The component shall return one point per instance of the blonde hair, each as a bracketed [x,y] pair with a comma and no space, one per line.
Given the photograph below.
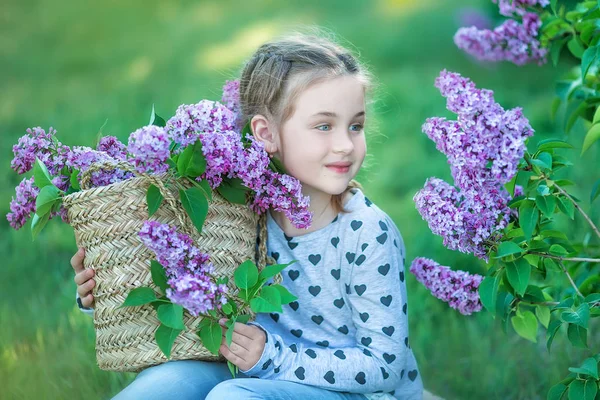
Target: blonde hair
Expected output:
[273,78]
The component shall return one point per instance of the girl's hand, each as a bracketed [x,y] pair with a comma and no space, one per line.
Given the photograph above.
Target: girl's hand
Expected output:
[246,347]
[83,279]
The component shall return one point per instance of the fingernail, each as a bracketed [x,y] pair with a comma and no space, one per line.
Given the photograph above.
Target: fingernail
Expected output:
[222,321]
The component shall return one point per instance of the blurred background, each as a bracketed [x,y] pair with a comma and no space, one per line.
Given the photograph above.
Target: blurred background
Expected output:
[86,68]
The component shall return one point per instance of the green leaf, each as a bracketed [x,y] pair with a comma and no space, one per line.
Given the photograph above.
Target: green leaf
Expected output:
[41,176]
[587,59]
[195,204]
[155,119]
[557,391]
[543,314]
[551,332]
[139,297]
[558,250]
[159,275]
[589,367]
[246,275]
[286,296]
[508,248]
[227,308]
[566,206]
[528,218]
[488,292]
[592,136]
[153,199]
[74,181]
[595,191]
[548,144]
[580,317]
[272,270]
[575,47]
[211,337]
[546,204]
[546,159]
[269,300]
[518,273]
[549,233]
[233,190]
[525,325]
[38,223]
[192,162]
[46,198]
[243,318]
[230,324]
[171,315]
[577,335]
[203,184]
[165,337]
[583,390]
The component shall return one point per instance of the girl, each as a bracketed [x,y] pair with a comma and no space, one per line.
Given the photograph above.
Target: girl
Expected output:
[346,337]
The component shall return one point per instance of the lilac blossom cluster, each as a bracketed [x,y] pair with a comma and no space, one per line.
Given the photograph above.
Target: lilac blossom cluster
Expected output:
[24,205]
[482,133]
[191,120]
[511,41]
[45,146]
[188,270]
[231,99]
[519,7]
[458,288]
[149,149]
[282,193]
[483,147]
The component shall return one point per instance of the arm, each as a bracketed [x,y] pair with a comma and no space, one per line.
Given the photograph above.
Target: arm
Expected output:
[376,360]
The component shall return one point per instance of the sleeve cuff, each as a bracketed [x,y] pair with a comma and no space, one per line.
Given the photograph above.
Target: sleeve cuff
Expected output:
[257,369]
[86,310]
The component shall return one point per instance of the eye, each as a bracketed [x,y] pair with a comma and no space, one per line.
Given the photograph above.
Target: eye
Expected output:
[357,127]
[326,126]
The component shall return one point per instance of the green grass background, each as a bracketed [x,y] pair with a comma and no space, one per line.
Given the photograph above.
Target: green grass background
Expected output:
[78,65]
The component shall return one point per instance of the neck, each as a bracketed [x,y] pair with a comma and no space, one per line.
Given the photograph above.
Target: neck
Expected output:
[321,207]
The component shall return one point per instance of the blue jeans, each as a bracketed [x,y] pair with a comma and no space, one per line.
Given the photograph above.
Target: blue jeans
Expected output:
[198,380]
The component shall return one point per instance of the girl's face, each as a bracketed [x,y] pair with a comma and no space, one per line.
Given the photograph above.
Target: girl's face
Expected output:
[326,128]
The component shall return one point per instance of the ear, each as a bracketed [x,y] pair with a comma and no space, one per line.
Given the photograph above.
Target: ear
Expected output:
[264,132]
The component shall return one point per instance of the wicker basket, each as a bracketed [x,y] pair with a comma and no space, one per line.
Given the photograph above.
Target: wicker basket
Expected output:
[107,220]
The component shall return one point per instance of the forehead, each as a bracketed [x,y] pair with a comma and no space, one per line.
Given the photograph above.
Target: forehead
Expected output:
[343,95]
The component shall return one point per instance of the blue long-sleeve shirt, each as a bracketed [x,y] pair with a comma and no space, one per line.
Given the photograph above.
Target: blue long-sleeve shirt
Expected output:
[348,330]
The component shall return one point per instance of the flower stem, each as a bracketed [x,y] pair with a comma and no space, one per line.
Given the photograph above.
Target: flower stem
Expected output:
[594,228]
[570,279]
[593,260]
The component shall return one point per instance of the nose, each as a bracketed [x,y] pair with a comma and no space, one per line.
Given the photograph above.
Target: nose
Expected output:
[342,142]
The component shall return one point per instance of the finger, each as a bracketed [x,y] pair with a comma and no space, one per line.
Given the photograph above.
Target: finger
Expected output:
[237,346]
[249,331]
[83,276]
[85,288]
[230,356]
[88,301]
[77,260]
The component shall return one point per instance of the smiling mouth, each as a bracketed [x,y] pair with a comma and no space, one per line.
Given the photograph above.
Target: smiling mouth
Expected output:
[340,170]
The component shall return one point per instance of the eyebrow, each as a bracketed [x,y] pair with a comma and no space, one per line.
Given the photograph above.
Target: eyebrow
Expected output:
[333,115]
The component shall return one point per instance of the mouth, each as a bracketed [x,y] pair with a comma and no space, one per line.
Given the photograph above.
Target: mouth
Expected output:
[340,168]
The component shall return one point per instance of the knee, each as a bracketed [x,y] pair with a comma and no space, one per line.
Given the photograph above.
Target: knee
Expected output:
[234,389]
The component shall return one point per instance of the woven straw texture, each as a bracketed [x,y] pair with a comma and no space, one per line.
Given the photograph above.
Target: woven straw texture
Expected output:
[106,221]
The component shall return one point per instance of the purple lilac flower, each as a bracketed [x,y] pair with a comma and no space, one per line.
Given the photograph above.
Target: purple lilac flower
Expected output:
[45,146]
[190,120]
[149,148]
[231,99]
[458,288]
[511,41]
[283,193]
[468,220]
[484,133]
[81,158]
[113,147]
[222,152]
[510,7]
[24,205]
[188,270]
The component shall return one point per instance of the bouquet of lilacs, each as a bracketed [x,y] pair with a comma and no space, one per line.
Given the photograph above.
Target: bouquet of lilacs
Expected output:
[201,149]
[536,273]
